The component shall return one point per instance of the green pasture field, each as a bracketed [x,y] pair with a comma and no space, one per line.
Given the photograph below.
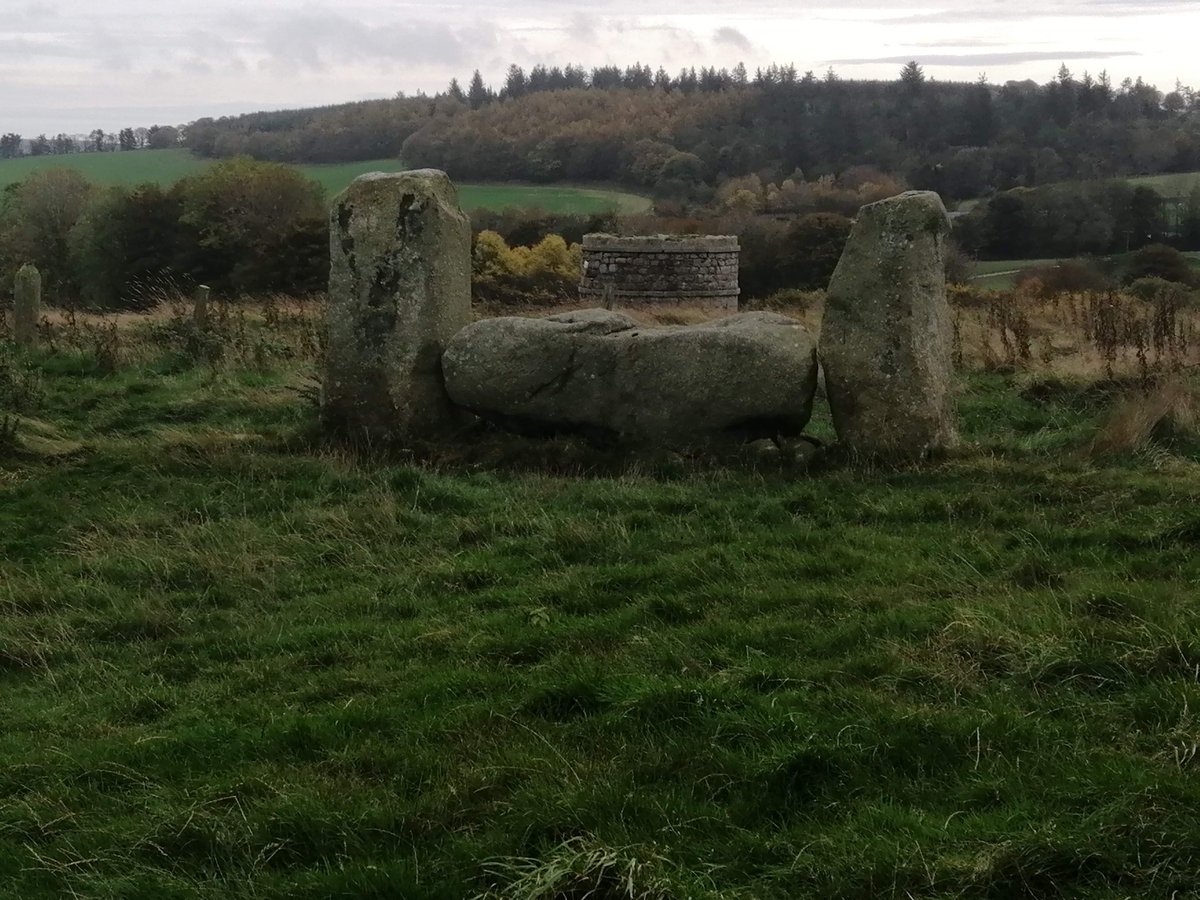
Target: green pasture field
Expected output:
[997,266]
[129,168]
[167,166]
[1173,185]
[238,663]
[552,198]
[1001,274]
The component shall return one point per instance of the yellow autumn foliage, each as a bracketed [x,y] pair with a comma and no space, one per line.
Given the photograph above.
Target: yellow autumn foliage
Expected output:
[547,272]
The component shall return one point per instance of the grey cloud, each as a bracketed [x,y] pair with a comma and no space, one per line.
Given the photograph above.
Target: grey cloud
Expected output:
[958,10]
[202,54]
[196,66]
[960,42]
[25,48]
[582,27]
[209,43]
[32,13]
[974,14]
[984,59]
[631,25]
[315,41]
[733,38]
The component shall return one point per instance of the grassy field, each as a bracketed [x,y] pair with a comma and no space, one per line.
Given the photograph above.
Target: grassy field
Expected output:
[1175,185]
[156,166]
[1000,275]
[168,166]
[235,663]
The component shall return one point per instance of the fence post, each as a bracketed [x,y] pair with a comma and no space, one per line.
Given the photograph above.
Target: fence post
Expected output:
[200,310]
[27,306]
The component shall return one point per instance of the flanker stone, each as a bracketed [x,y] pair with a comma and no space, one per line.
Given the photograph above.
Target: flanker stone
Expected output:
[886,335]
[399,289]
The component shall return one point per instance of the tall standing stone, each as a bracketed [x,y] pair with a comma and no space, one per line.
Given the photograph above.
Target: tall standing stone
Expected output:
[399,289]
[886,337]
[27,306]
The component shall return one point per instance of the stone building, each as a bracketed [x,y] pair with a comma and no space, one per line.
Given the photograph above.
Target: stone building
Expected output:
[675,270]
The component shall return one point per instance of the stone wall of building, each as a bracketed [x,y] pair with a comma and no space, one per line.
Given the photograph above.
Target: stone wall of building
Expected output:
[688,270]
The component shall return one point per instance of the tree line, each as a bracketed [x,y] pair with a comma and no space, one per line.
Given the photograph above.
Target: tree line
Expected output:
[239,226]
[244,227]
[683,136]
[1079,219]
[156,137]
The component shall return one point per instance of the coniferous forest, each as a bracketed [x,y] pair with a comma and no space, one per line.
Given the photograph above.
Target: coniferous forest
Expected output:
[683,136]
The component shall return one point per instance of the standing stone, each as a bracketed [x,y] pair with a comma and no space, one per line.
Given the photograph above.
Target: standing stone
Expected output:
[887,334]
[399,289]
[27,306]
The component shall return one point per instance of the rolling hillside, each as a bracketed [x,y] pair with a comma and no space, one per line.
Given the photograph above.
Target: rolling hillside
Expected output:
[1178,184]
[168,166]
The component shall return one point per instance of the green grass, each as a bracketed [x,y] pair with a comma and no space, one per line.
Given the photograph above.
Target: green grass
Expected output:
[1001,275]
[231,667]
[1174,185]
[155,166]
[167,166]
[553,198]
[994,266]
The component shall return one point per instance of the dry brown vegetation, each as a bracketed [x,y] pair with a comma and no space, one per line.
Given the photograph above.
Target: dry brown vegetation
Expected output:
[1098,334]
[1141,347]
[1102,334]
[241,331]
[1076,334]
[1164,414]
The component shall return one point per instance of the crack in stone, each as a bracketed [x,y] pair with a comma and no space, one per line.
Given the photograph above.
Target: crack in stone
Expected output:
[559,381]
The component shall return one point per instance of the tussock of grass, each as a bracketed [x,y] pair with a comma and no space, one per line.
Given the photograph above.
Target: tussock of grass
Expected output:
[26,438]
[1165,416]
[580,869]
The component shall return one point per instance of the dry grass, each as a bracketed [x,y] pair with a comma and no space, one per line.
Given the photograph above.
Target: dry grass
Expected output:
[1073,335]
[1162,414]
[579,868]
[245,330]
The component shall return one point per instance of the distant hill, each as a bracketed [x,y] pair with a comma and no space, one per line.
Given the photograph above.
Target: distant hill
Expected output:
[165,167]
[683,136]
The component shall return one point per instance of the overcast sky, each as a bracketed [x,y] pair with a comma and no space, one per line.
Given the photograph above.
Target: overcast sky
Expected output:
[75,65]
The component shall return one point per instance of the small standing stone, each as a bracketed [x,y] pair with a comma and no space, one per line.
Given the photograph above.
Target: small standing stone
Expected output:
[610,295]
[886,336]
[399,289]
[27,306]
